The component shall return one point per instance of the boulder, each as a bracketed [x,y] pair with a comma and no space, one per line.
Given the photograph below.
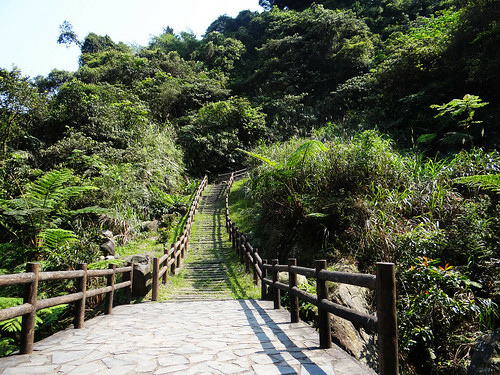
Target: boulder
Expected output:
[354,340]
[485,359]
[142,273]
[108,248]
[150,226]
[106,235]
[301,279]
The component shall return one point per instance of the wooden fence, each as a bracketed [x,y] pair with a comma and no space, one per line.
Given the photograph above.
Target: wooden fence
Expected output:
[238,175]
[172,257]
[31,305]
[384,323]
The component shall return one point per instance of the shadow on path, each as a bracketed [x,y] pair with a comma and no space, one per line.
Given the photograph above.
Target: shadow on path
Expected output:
[269,348]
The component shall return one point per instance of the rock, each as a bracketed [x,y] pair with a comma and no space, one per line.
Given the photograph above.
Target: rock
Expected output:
[150,226]
[108,247]
[354,340]
[485,359]
[106,235]
[301,279]
[142,273]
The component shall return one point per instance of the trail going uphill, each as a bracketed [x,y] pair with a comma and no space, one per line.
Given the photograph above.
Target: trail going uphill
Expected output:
[211,270]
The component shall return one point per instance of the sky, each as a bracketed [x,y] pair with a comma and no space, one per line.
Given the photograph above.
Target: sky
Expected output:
[29,28]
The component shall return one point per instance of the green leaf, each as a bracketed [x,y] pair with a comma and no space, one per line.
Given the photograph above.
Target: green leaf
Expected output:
[56,238]
[487,181]
[266,160]
[305,150]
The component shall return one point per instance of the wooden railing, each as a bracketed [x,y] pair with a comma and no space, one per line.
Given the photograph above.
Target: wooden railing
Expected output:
[238,175]
[31,305]
[172,257]
[384,323]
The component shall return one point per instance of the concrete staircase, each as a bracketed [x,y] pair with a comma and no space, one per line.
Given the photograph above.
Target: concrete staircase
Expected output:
[207,271]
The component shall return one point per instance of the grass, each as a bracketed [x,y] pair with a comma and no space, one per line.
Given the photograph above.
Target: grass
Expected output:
[241,208]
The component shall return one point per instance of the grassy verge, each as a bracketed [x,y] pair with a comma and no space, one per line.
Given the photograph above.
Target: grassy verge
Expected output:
[242,209]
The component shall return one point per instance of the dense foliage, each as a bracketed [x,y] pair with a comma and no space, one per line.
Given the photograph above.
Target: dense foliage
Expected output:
[358,200]
[304,87]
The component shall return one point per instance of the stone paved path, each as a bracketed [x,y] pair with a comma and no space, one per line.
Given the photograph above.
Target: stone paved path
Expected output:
[200,337]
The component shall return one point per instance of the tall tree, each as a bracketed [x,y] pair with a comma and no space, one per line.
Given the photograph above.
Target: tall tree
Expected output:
[18,100]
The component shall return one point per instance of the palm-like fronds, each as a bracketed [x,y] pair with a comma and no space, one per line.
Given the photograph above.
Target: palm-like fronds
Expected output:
[49,192]
[486,181]
[56,238]
[44,204]
[306,150]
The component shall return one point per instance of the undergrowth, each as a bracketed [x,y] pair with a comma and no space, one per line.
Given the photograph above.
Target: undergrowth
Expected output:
[332,197]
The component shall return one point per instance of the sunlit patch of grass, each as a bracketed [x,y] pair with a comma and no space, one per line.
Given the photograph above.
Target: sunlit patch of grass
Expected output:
[142,245]
[243,210]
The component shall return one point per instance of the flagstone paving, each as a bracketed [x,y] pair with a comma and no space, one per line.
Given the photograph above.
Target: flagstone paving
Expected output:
[200,337]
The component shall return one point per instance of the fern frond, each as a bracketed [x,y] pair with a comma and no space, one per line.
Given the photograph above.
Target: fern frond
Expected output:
[305,150]
[48,191]
[56,238]
[487,181]
[266,160]
[11,325]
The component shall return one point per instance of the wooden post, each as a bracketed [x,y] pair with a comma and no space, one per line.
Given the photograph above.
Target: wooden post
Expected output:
[246,252]
[172,256]
[243,254]
[178,258]
[183,247]
[233,231]
[255,275]
[325,335]
[129,277]
[154,287]
[263,286]
[165,275]
[28,320]
[276,290]
[110,295]
[81,286]
[294,300]
[387,319]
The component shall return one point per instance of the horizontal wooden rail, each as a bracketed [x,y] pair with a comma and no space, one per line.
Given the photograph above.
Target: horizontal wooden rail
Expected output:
[15,311]
[384,323]
[31,305]
[17,279]
[171,260]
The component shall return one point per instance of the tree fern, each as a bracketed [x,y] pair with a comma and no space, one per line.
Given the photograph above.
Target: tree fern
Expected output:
[305,150]
[43,206]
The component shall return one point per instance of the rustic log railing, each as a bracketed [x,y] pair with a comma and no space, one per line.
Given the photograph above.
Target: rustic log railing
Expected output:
[172,257]
[384,323]
[238,175]
[31,305]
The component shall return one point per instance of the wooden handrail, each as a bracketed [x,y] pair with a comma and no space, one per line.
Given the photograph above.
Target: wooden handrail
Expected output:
[172,257]
[31,305]
[384,323]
